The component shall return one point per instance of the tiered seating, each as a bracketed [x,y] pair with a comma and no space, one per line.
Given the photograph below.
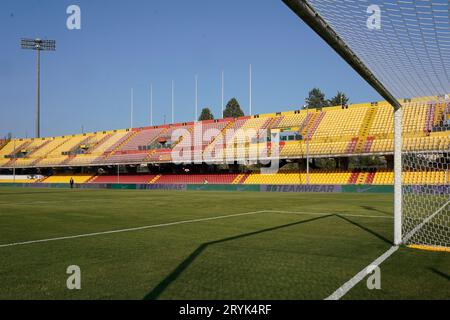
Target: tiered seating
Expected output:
[292,119]
[315,177]
[5,151]
[127,157]
[412,177]
[196,179]
[383,177]
[383,123]
[111,142]
[332,131]
[41,152]
[56,157]
[338,122]
[77,178]
[414,117]
[31,149]
[141,138]
[434,141]
[425,177]
[93,152]
[137,179]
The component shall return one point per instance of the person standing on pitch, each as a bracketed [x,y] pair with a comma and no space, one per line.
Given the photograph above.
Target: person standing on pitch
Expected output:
[71,183]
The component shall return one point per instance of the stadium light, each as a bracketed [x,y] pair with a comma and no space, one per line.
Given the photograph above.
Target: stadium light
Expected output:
[223,88]
[38,45]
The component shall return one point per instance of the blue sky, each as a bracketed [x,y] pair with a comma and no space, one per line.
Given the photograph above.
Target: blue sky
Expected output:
[130,44]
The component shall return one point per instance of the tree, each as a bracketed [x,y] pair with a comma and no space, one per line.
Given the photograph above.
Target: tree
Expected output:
[206,115]
[233,109]
[340,99]
[316,99]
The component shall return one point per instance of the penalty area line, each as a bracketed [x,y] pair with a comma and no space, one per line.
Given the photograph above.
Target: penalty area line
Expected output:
[129,229]
[93,234]
[346,287]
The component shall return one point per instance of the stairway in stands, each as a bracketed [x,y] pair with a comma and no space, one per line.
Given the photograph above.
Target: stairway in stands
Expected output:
[311,123]
[240,178]
[99,143]
[35,162]
[91,179]
[353,178]
[120,144]
[272,123]
[3,143]
[364,141]
[362,177]
[220,137]
[17,149]
[152,151]
[153,181]
[429,118]
[70,157]
[38,148]
[370,177]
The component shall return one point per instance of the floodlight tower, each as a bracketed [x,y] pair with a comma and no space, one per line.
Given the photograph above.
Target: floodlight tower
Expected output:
[38,45]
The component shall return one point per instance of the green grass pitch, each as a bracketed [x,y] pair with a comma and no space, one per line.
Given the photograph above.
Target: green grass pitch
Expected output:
[306,253]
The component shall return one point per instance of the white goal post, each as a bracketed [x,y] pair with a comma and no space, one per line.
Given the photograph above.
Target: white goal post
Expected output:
[402,49]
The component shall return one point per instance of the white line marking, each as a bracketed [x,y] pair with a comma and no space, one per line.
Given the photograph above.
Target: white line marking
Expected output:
[180,222]
[410,234]
[346,287]
[128,229]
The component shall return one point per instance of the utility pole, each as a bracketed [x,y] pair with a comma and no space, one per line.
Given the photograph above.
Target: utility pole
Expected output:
[307,142]
[151,104]
[250,85]
[131,108]
[173,102]
[196,98]
[223,89]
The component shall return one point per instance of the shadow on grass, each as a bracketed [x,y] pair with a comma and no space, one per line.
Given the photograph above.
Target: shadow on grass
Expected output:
[369,208]
[161,287]
[440,273]
[379,236]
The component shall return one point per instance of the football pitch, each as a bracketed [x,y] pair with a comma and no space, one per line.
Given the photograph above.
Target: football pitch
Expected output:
[132,244]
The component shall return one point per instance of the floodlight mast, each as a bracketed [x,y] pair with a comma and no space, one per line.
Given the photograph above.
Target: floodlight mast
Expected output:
[313,19]
[38,45]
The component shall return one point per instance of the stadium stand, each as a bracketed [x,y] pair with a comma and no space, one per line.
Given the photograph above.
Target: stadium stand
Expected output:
[327,177]
[195,179]
[77,178]
[140,179]
[341,131]
[316,177]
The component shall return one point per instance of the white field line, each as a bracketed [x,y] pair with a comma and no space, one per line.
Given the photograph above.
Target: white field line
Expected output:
[177,223]
[346,287]
[128,229]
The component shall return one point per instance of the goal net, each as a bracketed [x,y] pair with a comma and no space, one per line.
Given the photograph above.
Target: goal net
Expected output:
[425,181]
[402,49]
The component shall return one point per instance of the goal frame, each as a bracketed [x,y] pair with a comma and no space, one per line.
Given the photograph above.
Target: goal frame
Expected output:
[313,19]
